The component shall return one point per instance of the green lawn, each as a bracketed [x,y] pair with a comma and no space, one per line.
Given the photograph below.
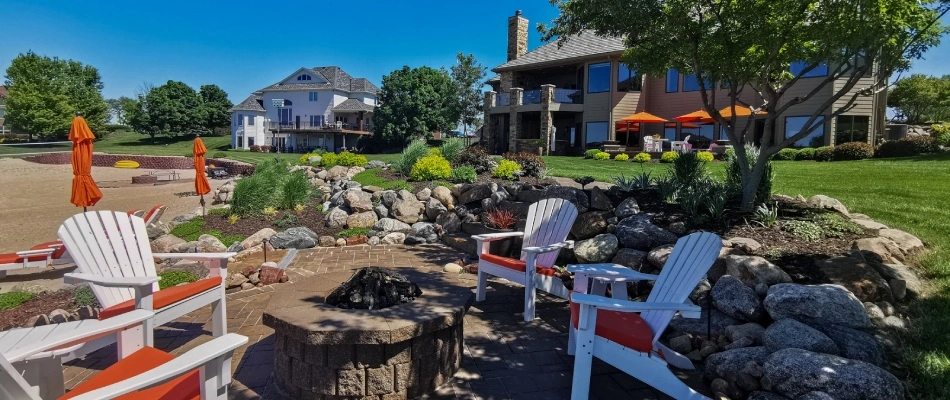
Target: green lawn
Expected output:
[912,194]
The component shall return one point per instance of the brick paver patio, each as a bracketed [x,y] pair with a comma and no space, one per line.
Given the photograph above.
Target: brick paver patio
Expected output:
[505,357]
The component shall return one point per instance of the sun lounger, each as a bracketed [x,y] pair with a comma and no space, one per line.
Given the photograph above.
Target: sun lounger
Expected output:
[42,255]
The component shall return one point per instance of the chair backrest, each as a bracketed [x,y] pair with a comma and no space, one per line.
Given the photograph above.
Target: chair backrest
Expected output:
[12,385]
[111,244]
[687,138]
[153,215]
[648,140]
[549,222]
[691,258]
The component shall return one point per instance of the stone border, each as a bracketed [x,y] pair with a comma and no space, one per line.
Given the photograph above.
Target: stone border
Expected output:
[146,162]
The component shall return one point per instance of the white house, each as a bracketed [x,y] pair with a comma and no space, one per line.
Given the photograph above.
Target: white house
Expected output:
[313,108]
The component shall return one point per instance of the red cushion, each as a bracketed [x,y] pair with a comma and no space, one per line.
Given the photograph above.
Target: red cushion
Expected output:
[517,265]
[152,212]
[625,328]
[185,387]
[56,254]
[13,258]
[165,297]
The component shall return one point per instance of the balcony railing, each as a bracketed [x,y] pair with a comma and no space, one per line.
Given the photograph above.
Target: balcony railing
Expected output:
[306,125]
[531,97]
[568,96]
[503,99]
[564,96]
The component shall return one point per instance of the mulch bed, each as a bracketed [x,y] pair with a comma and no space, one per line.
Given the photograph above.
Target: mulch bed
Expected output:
[310,218]
[41,304]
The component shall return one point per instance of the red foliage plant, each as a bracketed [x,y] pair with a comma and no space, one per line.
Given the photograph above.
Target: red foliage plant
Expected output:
[500,218]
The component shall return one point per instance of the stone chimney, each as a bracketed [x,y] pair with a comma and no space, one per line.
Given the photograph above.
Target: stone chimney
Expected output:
[517,36]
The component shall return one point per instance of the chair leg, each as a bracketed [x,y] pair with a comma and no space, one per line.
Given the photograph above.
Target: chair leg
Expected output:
[571,339]
[583,360]
[219,321]
[659,376]
[130,341]
[530,296]
[482,282]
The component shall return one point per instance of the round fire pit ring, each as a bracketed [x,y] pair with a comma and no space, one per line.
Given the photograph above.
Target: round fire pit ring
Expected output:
[403,351]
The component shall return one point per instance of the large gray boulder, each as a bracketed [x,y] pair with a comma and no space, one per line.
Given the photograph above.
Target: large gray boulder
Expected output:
[599,200]
[210,244]
[444,195]
[258,238]
[698,326]
[857,276]
[906,242]
[361,220]
[576,196]
[336,218]
[407,208]
[657,257]
[630,258]
[879,249]
[789,333]
[816,305]
[639,233]
[627,208]
[388,197]
[449,221]
[434,208]
[797,372]
[589,224]
[751,330]
[389,225]
[295,238]
[912,282]
[598,249]
[754,270]
[855,344]
[167,244]
[358,200]
[730,363]
[737,300]
[477,193]
[394,238]
[827,203]
[423,232]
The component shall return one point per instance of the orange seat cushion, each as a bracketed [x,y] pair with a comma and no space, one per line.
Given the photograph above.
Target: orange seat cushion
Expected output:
[517,265]
[56,254]
[165,297]
[152,212]
[185,387]
[625,328]
[13,258]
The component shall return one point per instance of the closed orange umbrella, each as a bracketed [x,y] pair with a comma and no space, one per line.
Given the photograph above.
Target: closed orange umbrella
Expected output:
[85,192]
[201,181]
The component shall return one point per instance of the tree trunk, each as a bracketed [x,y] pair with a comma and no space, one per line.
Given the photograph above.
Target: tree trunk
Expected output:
[751,181]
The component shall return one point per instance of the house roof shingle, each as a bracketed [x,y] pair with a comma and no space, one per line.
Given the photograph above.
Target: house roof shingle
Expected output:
[336,79]
[353,105]
[253,102]
[586,44]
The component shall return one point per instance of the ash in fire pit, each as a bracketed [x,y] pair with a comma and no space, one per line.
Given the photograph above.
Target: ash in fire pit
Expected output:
[373,288]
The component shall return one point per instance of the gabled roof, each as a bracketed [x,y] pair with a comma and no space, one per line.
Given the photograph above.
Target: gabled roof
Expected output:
[3,92]
[253,102]
[584,45]
[353,105]
[336,79]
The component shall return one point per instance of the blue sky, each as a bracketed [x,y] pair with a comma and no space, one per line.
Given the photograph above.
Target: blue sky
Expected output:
[243,46]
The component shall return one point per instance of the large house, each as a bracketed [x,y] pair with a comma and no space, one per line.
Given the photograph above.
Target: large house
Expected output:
[583,90]
[312,108]
[3,109]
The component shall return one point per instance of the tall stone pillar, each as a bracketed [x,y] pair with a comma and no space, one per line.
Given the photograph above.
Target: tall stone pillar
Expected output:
[517,99]
[547,120]
[488,129]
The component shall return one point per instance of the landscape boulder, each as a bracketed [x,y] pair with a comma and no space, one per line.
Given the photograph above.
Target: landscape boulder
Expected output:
[816,305]
[906,242]
[327,241]
[357,200]
[698,326]
[449,221]
[390,225]
[747,245]
[407,208]
[789,333]
[750,330]
[210,244]
[827,203]
[530,196]
[855,344]
[361,220]
[599,200]
[637,232]
[880,249]
[336,217]
[897,271]
[444,196]
[576,196]
[627,208]
[796,372]
[295,238]
[857,276]
[737,300]
[477,193]
[753,270]
[657,257]
[258,238]
[589,224]
[730,363]
[630,258]
[424,194]
[394,238]
[434,208]
[598,249]
[166,244]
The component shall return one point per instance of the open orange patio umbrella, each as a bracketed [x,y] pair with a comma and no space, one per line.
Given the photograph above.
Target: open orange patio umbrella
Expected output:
[741,111]
[695,116]
[85,192]
[201,181]
[641,118]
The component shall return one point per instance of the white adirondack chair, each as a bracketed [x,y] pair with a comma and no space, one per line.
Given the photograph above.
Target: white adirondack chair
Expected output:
[42,255]
[548,223]
[203,372]
[611,330]
[110,247]
[153,215]
[682,145]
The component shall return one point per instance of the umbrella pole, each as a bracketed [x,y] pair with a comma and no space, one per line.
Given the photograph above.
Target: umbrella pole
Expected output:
[202,201]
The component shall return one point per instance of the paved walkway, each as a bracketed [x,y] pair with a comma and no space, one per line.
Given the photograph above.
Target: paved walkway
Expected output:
[505,357]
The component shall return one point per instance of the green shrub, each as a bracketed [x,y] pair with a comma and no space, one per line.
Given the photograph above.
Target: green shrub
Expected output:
[622,157]
[328,160]
[807,153]
[410,155]
[175,278]
[942,133]
[907,147]
[295,190]
[507,169]
[451,148]
[734,176]
[785,155]
[189,231]
[252,194]
[434,151]
[370,177]
[12,299]
[430,168]
[304,158]
[642,158]
[287,221]
[669,157]
[602,156]
[219,211]
[478,158]
[591,153]
[351,232]
[531,164]
[835,225]
[705,156]
[219,154]
[807,231]
[348,159]
[852,151]
[688,170]
[464,174]
[824,153]
[85,297]
[729,154]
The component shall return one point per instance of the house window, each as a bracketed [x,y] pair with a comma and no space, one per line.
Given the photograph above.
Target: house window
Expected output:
[672,81]
[690,84]
[250,120]
[628,80]
[797,67]
[240,119]
[597,132]
[598,78]
[304,77]
[794,125]
[669,134]
[852,128]
[314,96]
[316,120]
[286,114]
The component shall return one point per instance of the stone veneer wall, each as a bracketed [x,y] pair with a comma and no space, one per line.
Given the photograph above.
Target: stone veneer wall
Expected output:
[402,370]
[146,162]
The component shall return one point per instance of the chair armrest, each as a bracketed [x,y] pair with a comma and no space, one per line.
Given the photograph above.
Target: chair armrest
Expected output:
[549,248]
[26,253]
[610,272]
[86,331]
[108,281]
[195,256]
[491,237]
[606,303]
[203,356]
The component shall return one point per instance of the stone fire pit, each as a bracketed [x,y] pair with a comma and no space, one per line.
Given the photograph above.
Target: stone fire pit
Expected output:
[403,351]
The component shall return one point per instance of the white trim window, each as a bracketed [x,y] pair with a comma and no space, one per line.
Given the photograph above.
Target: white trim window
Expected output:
[314,96]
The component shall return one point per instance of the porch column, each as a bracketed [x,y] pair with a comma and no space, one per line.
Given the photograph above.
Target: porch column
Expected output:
[488,134]
[515,120]
[547,121]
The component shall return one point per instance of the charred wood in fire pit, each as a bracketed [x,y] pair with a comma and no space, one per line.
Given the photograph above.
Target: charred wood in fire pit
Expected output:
[373,288]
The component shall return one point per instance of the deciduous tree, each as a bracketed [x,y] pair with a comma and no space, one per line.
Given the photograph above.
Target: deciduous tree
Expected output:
[414,102]
[920,99]
[749,45]
[213,113]
[172,109]
[468,75]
